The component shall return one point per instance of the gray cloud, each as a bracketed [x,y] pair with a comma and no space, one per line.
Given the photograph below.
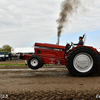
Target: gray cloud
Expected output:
[23,22]
[27,21]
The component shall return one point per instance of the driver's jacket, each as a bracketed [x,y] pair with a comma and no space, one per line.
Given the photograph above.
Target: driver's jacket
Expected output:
[80,42]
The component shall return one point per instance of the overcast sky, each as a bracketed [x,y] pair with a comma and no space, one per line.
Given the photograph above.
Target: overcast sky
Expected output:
[24,22]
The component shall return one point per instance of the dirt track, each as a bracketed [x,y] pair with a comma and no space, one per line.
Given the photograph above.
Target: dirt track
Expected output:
[47,83]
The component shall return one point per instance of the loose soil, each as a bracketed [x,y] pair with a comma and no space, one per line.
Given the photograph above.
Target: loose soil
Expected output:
[46,83]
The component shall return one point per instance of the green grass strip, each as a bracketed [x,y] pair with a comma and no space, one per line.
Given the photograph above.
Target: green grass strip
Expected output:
[20,64]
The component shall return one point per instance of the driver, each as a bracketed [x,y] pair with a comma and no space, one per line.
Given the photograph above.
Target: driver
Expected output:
[80,41]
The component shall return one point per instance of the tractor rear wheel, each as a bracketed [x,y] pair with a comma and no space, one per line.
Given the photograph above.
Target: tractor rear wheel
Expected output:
[34,62]
[82,61]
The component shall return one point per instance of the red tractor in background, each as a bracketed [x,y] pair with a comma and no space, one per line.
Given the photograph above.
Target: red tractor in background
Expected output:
[80,60]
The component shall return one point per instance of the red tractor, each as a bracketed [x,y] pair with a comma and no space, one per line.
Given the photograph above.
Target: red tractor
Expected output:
[80,60]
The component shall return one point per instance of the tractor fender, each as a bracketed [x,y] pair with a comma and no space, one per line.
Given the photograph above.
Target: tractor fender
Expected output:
[94,49]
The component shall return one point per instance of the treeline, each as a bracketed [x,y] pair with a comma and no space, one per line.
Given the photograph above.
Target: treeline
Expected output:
[6,48]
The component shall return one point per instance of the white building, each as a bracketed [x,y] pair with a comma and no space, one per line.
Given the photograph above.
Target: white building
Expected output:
[23,50]
[98,50]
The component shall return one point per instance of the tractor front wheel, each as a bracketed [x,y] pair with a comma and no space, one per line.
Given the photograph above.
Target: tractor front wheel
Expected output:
[34,62]
[82,61]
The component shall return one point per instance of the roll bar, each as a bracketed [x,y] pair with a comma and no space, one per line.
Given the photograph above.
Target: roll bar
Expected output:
[84,38]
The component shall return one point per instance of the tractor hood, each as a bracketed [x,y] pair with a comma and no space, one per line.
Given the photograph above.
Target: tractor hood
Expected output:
[49,46]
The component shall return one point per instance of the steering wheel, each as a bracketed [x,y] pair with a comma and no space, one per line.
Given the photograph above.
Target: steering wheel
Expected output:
[68,46]
[72,44]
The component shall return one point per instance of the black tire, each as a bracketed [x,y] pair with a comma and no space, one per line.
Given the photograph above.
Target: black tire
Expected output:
[36,60]
[41,66]
[70,64]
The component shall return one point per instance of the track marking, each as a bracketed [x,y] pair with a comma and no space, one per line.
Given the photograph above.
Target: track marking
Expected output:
[41,69]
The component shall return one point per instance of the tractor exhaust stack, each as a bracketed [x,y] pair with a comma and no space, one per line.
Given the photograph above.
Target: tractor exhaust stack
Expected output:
[58,40]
